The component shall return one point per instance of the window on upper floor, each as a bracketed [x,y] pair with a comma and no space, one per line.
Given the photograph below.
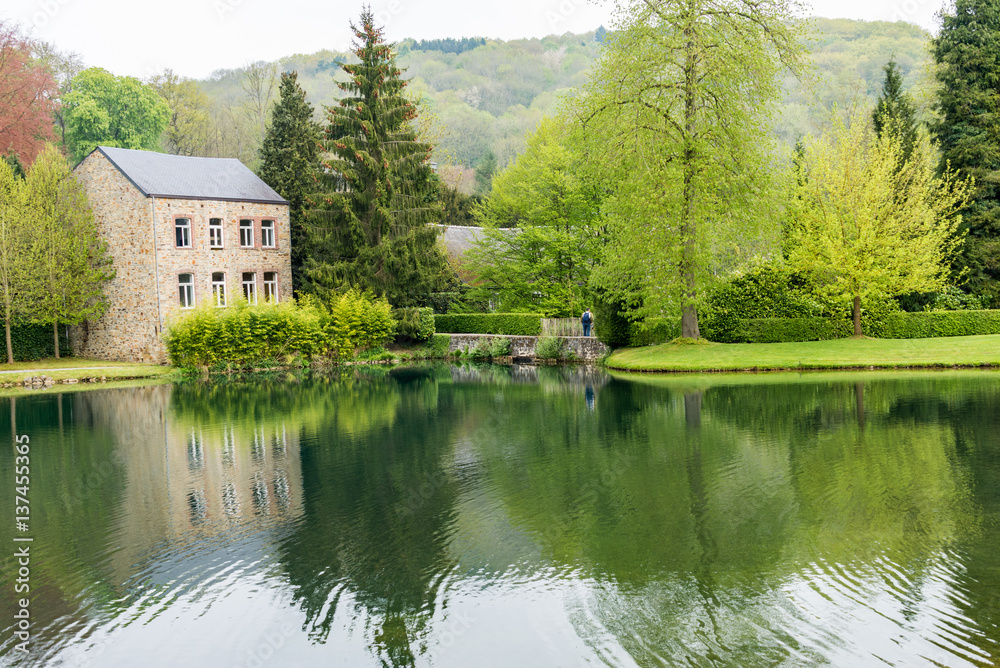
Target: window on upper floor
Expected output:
[270,286]
[215,233]
[246,233]
[250,286]
[185,289]
[267,233]
[182,232]
[219,288]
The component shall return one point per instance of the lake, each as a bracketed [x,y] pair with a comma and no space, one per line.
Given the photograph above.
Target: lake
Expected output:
[507,516]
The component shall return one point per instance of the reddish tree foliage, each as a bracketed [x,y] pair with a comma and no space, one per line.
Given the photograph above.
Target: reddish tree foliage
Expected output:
[27,96]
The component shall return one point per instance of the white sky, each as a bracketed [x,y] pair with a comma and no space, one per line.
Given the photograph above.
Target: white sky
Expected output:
[195,37]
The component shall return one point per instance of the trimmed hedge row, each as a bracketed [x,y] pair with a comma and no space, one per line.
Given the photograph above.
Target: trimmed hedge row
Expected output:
[785,330]
[34,342]
[512,324]
[929,324]
[900,325]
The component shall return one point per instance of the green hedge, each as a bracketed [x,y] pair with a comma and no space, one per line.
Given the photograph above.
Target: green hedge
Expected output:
[785,330]
[898,325]
[514,324]
[924,325]
[34,342]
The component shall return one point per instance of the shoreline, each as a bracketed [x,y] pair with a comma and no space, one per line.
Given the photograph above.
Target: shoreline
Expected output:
[960,352]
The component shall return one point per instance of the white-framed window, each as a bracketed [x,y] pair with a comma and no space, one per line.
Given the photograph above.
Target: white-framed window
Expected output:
[219,288]
[182,232]
[267,233]
[246,233]
[215,233]
[270,286]
[185,290]
[250,286]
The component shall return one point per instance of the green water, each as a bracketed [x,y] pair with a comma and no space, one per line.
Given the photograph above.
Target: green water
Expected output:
[493,516]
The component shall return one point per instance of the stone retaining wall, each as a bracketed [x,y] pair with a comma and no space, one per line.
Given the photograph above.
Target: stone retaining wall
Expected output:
[584,347]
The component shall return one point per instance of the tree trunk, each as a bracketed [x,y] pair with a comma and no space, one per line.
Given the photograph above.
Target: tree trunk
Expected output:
[689,313]
[859,403]
[55,336]
[10,346]
[692,409]
[857,316]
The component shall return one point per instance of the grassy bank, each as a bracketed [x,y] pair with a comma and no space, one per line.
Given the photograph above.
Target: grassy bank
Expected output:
[80,369]
[957,351]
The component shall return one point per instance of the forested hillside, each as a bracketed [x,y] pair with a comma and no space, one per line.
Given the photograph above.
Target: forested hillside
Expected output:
[482,95]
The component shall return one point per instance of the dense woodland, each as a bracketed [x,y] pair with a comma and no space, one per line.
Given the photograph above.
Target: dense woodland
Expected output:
[481,96]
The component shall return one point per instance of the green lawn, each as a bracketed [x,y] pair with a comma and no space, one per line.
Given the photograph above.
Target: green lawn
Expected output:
[77,367]
[840,353]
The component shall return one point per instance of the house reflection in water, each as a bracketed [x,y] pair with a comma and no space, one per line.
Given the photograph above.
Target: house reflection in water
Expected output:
[186,477]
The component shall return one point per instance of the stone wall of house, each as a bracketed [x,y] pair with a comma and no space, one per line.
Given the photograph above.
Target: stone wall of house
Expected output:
[129,330]
[148,262]
[202,261]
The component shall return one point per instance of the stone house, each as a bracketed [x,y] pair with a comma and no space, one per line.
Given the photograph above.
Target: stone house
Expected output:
[182,231]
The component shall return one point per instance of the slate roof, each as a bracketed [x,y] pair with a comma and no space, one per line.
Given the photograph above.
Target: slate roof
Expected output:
[458,239]
[185,177]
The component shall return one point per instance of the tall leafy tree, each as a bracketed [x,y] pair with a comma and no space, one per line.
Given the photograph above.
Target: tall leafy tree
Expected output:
[14,249]
[369,229]
[542,228]
[290,161]
[679,105]
[871,223]
[188,127]
[894,112]
[967,53]
[27,91]
[105,110]
[70,261]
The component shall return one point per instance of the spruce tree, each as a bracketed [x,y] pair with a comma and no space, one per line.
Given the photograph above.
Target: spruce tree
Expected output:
[894,111]
[967,53]
[369,229]
[290,161]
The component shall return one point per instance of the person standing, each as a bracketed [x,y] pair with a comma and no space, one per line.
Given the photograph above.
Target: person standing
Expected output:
[586,319]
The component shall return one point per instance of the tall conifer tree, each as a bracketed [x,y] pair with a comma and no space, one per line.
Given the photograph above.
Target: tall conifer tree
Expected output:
[894,111]
[967,52]
[369,229]
[290,161]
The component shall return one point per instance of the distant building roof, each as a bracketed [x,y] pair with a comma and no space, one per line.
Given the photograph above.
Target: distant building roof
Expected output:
[458,239]
[184,177]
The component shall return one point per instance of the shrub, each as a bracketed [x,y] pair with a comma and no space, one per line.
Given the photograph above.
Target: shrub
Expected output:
[653,331]
[414,324]
[954,299]
[440,345]
[499,348]
[610,324]
[513,324]
[549,348]
[247,336]
[242,336]
[356,322]
[765,291]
